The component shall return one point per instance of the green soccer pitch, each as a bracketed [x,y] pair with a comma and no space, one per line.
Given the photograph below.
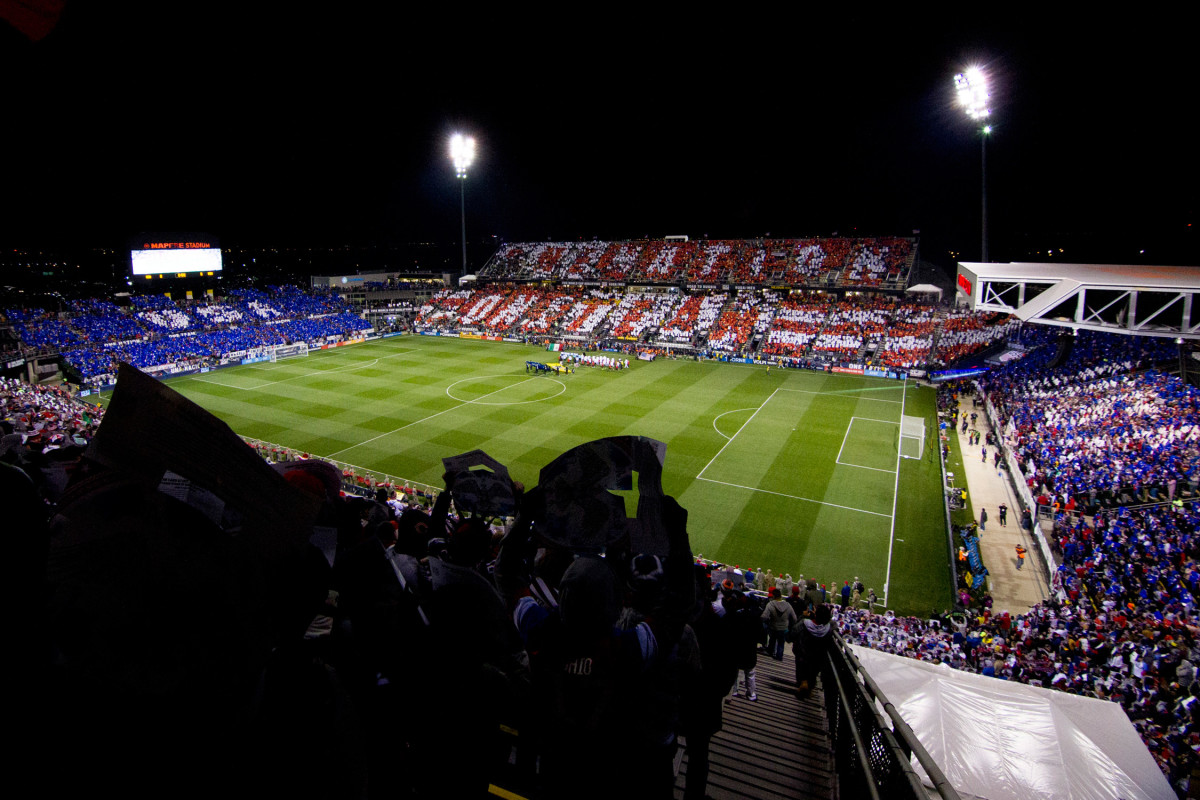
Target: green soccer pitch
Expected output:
[787,470]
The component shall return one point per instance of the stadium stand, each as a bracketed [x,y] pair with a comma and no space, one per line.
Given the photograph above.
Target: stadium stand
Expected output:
[156,331]
[1106,442]
[862,263]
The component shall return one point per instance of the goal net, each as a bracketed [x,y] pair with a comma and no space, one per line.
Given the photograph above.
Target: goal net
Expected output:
[912,437]
[289,351]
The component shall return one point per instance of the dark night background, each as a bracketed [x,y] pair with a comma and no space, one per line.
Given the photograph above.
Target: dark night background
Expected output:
[327,125]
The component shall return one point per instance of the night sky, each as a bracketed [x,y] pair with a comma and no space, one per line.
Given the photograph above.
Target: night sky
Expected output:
[327,124]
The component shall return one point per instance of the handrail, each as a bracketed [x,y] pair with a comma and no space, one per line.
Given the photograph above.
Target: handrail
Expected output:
[881,764]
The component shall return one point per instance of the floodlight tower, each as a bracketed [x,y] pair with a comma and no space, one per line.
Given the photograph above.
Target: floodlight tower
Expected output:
[462,152]
[972,90]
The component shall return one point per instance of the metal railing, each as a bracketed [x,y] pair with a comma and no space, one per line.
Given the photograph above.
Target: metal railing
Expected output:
[354,478]
[872,753]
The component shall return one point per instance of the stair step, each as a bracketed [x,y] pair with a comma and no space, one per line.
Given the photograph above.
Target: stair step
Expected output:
[776,748]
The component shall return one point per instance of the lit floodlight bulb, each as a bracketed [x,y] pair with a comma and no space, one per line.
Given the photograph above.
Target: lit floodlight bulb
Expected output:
[462,152]
[971,88]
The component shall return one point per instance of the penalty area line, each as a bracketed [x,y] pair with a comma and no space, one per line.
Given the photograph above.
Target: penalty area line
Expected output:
[794,497]
[735,435]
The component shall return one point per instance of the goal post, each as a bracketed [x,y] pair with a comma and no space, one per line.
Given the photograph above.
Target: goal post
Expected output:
[299,349]
[912,437]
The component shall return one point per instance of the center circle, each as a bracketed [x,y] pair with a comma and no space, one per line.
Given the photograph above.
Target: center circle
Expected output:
[562,387]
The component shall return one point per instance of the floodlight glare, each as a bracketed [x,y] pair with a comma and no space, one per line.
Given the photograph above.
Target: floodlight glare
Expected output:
[462,151]
[971,87]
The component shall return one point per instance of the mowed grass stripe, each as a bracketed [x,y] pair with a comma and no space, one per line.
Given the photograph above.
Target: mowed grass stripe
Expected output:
[790,447]
[870,444]
[921,577]
[851,545]
[334,399]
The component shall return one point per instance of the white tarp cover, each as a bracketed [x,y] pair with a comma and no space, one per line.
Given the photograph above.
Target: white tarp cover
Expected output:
[1002,740]
[924,288]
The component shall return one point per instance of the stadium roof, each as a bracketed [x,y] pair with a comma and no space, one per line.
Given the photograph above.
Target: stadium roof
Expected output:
[1119,298]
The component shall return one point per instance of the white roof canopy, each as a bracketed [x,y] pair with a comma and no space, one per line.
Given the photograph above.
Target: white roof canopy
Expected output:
[1144,300]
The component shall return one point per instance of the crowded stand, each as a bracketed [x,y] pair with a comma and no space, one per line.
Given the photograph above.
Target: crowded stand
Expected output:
[545,312]
[481,306]
[156,331]
[695,315]
[909,337]
[583,261]
[837,261]
[668,261]
[797,321]
[257,304]
[1103,428]
[800,262]
[716,260]
[538,261]
[639,313]
[513,308]
[880,329]
[848,325]
[101,322]
[214,314]
[442,310]
[1104,438]
[874,261]
[40,419]
[808,261]
[589,312]
[734,327]
[46,334]
[616,263]
[1112,443]
[1121,625]
[760,323]
[962,334]
[167,319]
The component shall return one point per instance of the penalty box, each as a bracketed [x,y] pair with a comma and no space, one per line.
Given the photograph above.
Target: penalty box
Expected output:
[834,449]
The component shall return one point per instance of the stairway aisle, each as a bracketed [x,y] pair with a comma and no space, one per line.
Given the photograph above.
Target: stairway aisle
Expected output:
[776,748]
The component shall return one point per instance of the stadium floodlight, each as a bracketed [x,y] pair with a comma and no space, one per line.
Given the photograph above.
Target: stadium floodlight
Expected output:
[462,153]
[971,88]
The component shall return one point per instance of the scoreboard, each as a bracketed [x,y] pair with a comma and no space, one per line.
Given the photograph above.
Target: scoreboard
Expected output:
[175,258]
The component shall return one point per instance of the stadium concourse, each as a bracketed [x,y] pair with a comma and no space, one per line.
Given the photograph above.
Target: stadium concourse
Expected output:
[1013,589]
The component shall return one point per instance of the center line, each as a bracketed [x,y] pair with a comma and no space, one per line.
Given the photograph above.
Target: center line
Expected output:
[423,419]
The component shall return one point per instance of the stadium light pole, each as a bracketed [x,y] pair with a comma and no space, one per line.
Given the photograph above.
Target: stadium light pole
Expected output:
[972,90]
[462,152]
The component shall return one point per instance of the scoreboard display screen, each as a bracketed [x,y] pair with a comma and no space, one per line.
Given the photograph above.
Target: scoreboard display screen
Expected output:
[175,258]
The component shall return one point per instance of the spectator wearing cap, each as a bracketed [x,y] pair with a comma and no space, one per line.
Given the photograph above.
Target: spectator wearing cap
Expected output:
[779,617]
[798,601]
